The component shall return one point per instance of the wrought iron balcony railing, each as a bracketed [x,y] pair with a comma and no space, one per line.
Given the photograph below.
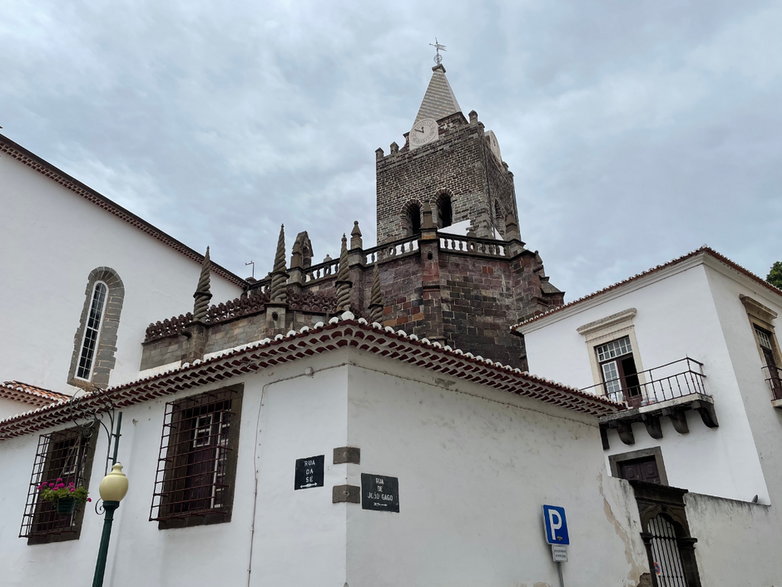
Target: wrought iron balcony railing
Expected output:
[672,380]
[773,376]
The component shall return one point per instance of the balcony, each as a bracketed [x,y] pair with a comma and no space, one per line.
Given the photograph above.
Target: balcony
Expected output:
[667,390]
[773,376]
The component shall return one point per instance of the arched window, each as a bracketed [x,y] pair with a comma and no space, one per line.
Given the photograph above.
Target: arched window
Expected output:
[95,341]
[89,342]
[444,211]
[412,219]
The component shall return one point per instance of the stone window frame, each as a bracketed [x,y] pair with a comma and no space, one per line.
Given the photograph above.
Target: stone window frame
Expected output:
[607,329]
[616,459]
[762,317]
[104,358]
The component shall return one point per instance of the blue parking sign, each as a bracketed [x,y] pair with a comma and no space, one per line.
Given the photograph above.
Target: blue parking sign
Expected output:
[555,524]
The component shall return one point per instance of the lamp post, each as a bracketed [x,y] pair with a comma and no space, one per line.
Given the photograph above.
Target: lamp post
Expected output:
[112,489]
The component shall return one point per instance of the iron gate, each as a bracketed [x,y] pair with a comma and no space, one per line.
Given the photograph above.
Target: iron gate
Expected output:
[667,561]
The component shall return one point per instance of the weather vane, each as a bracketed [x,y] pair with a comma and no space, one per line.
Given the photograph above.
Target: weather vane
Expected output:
[438,59]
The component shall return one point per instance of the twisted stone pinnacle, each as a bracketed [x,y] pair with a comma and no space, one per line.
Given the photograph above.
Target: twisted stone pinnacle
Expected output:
[277,291]
[375,298]
[202,293]
[343,278]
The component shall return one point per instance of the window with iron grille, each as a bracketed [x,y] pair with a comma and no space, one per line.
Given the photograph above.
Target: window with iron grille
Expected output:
[67,455]
[194,483]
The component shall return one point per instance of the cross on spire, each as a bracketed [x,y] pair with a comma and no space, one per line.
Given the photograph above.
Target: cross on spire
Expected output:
[438,59]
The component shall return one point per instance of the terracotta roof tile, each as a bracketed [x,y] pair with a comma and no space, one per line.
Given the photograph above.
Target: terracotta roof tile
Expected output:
[703,250]
[338,333]
[30,394]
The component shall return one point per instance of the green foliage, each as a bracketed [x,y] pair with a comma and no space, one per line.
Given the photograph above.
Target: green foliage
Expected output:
[54,490]
[774,276]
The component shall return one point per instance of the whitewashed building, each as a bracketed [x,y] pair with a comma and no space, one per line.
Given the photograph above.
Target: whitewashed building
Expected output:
[427,467]
[82,279]
[691,347]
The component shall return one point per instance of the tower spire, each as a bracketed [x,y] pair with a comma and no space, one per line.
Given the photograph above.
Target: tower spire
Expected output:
[439,100]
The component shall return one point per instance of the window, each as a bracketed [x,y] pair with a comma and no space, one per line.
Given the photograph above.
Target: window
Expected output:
[761,319]
[768,349]
[95,341]
[91,331]
[444,211]
[640,465]
[65,455]
[617,368]
[194,484]
[412,219]
[613,355]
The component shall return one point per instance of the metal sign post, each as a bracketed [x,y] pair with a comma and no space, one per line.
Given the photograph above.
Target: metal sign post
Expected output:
[556,532]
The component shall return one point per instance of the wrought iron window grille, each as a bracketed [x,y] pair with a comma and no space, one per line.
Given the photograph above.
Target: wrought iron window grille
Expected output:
[194,481]
[67,455]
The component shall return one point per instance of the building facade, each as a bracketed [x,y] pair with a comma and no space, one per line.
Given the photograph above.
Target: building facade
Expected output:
[370,420]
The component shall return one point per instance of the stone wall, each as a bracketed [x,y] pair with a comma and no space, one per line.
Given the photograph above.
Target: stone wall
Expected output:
[464,298]
[458,164]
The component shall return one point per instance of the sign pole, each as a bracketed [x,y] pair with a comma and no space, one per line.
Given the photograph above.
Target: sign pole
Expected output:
[559,574]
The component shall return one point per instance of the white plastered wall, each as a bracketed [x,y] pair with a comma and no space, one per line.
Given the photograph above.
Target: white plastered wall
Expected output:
[765,421]
[474,468]
[53,239]
[298,537]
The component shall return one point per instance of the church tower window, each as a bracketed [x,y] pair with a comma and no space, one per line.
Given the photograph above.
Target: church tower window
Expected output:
[95,341]
[412,219]
[444,211]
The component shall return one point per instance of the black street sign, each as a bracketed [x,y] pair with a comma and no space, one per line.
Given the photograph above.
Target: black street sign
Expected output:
[309,473]
[379,493]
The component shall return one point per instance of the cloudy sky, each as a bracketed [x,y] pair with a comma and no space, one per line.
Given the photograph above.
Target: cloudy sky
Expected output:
[636,130]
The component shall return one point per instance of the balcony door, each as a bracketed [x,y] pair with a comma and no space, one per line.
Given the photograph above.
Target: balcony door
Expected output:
[617,367]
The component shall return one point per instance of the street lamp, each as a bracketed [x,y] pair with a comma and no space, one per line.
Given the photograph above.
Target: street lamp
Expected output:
[112,489]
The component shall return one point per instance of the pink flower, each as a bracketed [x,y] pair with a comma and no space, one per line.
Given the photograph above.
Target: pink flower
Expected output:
[89,499]
[59,479]
[71,489]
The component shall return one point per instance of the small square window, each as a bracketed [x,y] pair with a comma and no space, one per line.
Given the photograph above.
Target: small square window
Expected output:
[194,484]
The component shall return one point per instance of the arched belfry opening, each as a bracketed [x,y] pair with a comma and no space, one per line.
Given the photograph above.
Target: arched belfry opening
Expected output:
[411,219]
[444,211]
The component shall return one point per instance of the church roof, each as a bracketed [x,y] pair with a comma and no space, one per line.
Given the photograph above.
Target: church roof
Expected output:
[439,100]
[32,160]
[347,332]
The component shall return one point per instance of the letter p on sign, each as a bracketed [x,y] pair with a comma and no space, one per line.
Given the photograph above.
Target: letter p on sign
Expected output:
[555,524]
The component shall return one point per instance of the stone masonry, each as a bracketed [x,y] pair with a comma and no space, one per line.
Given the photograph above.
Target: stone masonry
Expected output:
[463,291]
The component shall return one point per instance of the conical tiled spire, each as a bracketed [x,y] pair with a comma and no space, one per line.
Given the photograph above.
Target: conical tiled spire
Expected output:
[439,100]
[375,298]
[277,292]
[202,293]
[343,283]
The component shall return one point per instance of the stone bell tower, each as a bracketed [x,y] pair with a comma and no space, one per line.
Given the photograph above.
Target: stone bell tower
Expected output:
[450,162]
